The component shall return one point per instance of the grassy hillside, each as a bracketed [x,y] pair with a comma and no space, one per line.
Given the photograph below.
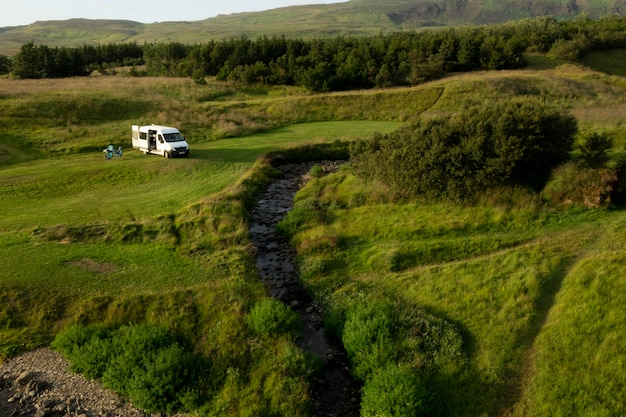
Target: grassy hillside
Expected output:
[525,288]
[354,17]
[528,299]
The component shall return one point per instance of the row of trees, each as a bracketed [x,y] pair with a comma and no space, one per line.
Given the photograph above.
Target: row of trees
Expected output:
[342,62]
[41,61]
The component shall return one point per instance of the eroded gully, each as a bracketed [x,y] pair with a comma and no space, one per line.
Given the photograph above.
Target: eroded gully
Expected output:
[335,392]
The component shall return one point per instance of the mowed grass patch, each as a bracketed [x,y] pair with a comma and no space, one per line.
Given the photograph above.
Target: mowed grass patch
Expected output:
[82,189]
[85,188]
[82,269]
[248,148]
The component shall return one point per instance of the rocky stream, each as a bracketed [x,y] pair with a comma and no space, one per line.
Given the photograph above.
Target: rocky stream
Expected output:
[335,392]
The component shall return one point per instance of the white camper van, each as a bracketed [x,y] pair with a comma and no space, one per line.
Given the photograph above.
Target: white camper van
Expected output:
[160,140]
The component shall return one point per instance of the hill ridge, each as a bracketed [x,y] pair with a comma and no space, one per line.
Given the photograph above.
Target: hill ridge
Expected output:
[354,17]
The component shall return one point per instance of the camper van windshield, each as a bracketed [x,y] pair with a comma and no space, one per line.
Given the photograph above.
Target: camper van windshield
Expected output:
[173,137]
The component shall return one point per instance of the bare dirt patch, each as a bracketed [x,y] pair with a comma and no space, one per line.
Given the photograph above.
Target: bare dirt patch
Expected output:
[94,266]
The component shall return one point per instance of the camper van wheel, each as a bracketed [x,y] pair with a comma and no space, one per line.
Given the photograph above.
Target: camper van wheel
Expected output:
[166,154]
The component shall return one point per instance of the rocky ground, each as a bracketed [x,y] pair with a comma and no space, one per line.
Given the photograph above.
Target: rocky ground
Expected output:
[38,383]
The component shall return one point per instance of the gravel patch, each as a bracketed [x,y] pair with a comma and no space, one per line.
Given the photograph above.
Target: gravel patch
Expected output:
[38,384]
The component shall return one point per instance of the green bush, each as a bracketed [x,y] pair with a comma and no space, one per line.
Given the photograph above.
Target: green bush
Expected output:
[269,317]
[304,213]
[395,391]
[368,336]
[429,343]
[574,184]
[487,145]
[144,362]
[88,348]
[316,171]
[155,380]
[595,148]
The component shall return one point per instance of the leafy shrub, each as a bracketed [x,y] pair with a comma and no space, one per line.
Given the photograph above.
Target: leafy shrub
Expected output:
[395,391]
[144,362]
[595,148]
[487,145]
[155,380]
[569,49]
[276,386]
[368,336]
[269,317]
[578,185]
[88,348]
[430,343]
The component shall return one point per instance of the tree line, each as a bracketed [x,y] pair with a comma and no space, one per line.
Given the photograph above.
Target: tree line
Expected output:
[42,61]
[338,63]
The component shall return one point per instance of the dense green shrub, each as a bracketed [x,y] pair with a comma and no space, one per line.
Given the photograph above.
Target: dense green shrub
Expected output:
[430,343]
[276,386]
[595,148]
[579,185]
[487,145]
[316,171]
[306,213]
[5,64]
[144,362]
[395,391]
[368,336]
[269,317]
[155,380]
[89,348]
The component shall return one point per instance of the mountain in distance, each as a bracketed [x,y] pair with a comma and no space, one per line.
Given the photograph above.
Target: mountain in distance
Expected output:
[354,17]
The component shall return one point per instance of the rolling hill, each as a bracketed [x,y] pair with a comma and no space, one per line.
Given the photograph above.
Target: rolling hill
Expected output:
[354,17]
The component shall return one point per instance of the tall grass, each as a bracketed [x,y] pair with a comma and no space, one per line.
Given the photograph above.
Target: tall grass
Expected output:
[576,361]
[494,271]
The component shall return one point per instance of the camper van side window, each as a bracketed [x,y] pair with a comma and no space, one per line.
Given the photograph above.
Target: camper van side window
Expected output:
[143,135]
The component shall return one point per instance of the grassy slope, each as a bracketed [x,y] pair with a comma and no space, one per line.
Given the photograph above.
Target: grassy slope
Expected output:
[529,292]
[506,277]
[537,296]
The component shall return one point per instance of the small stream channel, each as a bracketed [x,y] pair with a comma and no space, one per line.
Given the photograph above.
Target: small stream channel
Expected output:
[335,392]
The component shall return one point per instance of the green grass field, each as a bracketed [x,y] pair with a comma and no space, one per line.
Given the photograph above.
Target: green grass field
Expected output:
[534,295]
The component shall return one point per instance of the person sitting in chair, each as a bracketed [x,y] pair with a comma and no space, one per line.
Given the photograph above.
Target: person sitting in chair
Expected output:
[108,152]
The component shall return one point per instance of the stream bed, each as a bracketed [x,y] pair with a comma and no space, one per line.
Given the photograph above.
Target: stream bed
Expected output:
[335,392]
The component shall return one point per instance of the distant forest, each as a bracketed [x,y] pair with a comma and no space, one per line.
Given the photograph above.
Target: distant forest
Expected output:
[332,64]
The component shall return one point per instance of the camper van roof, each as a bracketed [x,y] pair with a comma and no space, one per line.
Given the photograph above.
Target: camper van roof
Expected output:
[163,129]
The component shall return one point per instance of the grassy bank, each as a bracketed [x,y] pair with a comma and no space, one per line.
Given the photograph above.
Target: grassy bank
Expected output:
[522,286]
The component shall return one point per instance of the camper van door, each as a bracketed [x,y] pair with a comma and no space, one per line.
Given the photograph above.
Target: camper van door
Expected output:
[152,145]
